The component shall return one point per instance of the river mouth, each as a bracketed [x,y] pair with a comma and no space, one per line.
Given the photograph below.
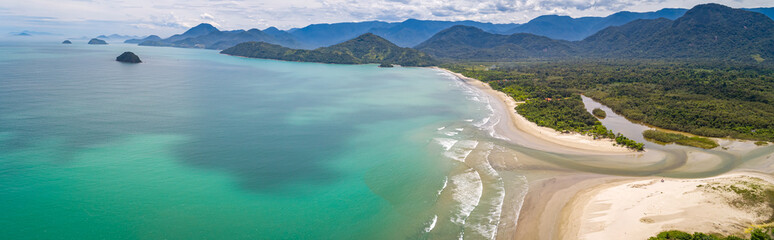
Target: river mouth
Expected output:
[554,172]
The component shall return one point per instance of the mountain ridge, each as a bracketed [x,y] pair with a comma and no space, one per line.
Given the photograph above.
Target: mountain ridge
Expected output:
[409,33]
[364,49]
[207,36]
[707,31]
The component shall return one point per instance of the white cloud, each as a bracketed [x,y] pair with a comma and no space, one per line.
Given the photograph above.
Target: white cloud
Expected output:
[166,17]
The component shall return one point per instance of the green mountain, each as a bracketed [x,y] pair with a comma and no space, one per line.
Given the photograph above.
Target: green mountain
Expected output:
[708,31]
[367,48]
[470,43]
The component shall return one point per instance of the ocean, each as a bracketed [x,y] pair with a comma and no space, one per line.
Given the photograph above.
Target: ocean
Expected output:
[192,144]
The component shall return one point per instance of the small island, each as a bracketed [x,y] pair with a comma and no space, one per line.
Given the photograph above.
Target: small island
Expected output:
[601,114]
[96,41]
[385,65]
[128,57]
[67,42]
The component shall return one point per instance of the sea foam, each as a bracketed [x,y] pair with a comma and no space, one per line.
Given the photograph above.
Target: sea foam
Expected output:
[446,143]
[467,193]
[432,224]
[461,150]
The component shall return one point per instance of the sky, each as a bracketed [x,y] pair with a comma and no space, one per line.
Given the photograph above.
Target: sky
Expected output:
[89,18]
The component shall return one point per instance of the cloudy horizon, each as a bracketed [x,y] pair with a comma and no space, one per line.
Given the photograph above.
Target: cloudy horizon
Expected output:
[76,18]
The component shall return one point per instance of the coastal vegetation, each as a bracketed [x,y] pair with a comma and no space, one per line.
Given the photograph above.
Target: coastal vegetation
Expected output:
[713,99]
[756,234]
[559,109]
[665,138]
[367,48]
[599,113]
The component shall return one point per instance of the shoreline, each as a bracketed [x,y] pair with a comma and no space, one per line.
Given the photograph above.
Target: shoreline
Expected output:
[573,142]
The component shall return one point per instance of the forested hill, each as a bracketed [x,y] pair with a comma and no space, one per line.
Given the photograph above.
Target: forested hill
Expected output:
[367,48]
[473,44]
[708,31]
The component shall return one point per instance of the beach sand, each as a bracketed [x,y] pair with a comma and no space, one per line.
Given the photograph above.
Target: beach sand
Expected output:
[639,209]
[541,138]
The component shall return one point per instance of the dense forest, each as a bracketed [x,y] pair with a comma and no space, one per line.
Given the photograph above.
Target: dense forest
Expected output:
[367,48]
[711,99]
[601,114]
[665,138]
[707,31]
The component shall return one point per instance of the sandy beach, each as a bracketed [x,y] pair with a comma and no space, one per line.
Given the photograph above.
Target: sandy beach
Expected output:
[639,209]
[541,136]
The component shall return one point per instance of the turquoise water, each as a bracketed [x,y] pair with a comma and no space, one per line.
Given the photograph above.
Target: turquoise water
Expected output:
[192,144]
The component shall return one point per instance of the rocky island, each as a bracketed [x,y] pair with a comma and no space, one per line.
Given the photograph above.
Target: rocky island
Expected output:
[67,42]
[96,41]
[128,57]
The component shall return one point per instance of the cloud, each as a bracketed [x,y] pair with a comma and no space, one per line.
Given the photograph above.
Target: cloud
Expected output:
[207,17]
[170,16]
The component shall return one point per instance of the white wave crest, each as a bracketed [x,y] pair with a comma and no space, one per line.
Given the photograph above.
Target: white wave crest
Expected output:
[445,182]
[461,150]
[487,225]
[446,143]
[467,193]
[432,224]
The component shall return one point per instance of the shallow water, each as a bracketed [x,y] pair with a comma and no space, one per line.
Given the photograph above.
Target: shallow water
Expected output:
[192,144]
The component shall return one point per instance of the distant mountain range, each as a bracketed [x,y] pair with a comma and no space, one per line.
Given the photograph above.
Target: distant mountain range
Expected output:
[27,33]
[574,29]
[408,33]
[116,37]
[623,34]
[405,34]
[708,31]
[470,43]
[140,40]
[367,48]
[207,36]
